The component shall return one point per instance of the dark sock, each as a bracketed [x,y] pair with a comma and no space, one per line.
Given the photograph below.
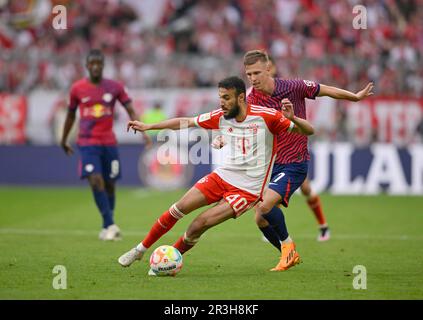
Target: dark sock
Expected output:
[103,206]
[276,219]
[111,203]
[272,236]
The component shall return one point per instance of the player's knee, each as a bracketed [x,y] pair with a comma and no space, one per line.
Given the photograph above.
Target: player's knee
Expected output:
[263,208]
[305,190]
[96,182]
[182,207]
[110,187]
[260,221]
[197,228]
[191,238]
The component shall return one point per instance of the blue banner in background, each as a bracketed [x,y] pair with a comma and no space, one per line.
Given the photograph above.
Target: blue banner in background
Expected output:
[48,165]
[340,168]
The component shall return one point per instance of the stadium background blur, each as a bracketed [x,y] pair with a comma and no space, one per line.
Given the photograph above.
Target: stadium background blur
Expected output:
[172,53]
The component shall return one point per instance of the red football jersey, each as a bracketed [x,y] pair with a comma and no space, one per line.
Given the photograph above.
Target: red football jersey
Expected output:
[96,104]
[291,147]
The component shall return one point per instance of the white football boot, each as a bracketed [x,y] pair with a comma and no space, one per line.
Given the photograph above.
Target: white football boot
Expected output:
[324,234]
[102,234]
[129,257]
[151,273]
[113,233]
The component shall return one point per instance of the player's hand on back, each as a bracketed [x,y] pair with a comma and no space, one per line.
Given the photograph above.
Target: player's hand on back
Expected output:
[367,91]
[67,148]
[218,142]
[287,109]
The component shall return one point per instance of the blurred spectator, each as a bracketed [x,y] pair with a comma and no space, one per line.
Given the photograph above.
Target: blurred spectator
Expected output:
[187,43]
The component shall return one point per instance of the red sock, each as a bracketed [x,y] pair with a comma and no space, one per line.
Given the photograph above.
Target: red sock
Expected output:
[316,207]
[182,246]
[162,225]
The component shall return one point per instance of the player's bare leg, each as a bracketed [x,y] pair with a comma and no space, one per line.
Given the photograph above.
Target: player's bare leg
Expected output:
[206,220]
[98,186]
[313,201]
[191,201]
[289,255]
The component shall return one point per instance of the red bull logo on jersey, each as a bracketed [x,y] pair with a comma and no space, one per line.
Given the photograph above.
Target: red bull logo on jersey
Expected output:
[97,111]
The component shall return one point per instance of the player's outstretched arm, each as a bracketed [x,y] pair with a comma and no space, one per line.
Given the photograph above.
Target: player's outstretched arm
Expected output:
[338,93]
[302,126]
[70,119]
[173,124]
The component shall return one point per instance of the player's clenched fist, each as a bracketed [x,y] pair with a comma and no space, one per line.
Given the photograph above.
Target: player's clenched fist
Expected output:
[137,126]
[287,109]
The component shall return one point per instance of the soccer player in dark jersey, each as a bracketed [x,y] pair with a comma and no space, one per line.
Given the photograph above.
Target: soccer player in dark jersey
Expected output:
[99,159]
[291,165]
[312,198]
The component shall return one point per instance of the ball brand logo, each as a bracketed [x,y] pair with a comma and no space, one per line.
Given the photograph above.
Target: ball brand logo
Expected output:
[167,268]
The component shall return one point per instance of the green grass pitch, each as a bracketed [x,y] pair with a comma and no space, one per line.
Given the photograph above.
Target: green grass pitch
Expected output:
[44,227]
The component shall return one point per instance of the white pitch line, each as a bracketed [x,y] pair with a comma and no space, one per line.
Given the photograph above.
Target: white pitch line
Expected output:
[58,232]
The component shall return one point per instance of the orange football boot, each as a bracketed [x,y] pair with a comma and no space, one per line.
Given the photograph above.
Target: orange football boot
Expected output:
[289,257]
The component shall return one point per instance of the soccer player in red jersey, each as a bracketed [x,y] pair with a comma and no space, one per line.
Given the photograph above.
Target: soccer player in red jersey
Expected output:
[291,165]
[99,163]
[238,184]
[312,198]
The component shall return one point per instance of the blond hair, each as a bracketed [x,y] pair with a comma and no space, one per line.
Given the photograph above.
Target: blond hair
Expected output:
[253,56]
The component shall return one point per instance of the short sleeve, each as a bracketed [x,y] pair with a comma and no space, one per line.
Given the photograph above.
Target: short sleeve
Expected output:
[123,95]
[73,99]
[278,123]
[309,89]
[209,120]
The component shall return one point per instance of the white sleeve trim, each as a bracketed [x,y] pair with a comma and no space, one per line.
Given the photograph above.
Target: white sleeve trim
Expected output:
[196,121]
[291,126]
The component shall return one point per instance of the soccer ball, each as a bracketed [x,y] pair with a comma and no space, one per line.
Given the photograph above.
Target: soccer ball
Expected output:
[166,261]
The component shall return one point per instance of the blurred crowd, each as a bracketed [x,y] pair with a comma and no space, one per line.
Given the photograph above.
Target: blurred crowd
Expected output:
[194,43]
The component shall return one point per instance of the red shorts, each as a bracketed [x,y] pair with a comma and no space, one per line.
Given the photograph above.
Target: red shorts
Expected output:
[215,189]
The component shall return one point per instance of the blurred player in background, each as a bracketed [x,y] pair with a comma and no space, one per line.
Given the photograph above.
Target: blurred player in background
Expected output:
[291,165]
[153,115]
[99,163]
[237,185]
